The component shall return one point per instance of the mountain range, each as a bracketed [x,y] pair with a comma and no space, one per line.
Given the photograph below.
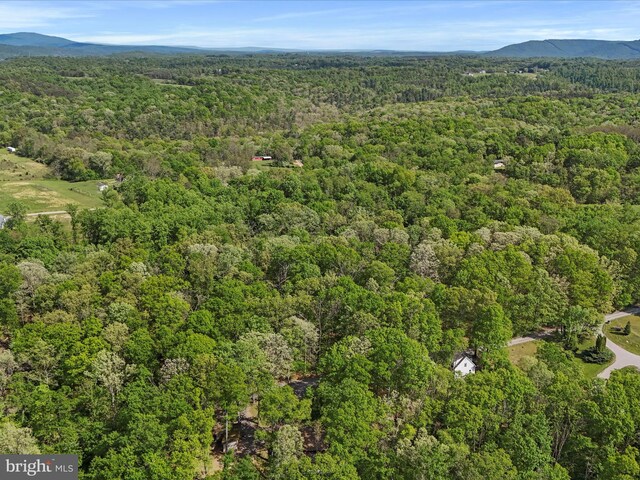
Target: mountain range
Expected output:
[34,44]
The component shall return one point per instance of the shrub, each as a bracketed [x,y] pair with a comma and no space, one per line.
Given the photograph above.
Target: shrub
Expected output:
[598,353]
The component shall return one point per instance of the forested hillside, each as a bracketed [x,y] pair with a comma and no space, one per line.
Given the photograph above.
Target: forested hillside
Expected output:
[571,49]
[229,319]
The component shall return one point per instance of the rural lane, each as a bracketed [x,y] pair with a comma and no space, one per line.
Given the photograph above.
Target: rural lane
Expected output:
[59,212]
[56,212]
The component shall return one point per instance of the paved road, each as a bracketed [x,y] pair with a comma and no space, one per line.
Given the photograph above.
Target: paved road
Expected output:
[623,357]
[624,313]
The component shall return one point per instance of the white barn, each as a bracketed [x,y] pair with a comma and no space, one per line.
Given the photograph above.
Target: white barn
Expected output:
[463,364]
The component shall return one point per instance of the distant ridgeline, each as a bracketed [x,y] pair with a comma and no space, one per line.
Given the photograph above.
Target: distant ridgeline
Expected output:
[25,44]
[611,50]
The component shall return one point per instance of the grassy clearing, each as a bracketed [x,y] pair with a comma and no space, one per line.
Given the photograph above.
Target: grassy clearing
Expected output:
[629,342]
[263,165]
[47,195]
[529,349]
[169,83]
[591,370]
[14,168]
[518,352]
[31,183]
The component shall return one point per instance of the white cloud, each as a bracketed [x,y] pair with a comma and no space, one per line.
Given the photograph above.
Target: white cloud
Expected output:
[467,36]
[151,4]
[302,14]
[29,15]
[125,38]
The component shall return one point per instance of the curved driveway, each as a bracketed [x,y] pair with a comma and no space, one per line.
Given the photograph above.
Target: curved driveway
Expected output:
[623,357]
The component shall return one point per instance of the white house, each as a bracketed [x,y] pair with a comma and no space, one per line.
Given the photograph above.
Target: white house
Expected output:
[499,164]
[463,364]
[11,150]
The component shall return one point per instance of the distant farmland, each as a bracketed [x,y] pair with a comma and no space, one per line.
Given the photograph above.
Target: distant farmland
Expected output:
[31,183]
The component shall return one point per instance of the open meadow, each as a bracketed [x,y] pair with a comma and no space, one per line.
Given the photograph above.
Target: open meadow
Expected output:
[31,183]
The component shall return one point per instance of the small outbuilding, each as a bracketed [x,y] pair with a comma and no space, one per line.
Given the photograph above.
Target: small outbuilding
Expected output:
[103,186]
[464,364]
[11,150]
[3,220]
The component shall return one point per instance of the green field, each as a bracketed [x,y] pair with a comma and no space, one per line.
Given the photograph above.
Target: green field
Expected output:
[169,83]
[31,183]
[629,342]
[529,349]
[263,165]
[518,352]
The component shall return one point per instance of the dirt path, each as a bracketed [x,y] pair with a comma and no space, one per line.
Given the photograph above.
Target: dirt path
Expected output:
[58,212]
[55,212]
[530,338]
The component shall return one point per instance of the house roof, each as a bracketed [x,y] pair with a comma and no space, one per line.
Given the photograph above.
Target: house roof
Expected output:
[457,360]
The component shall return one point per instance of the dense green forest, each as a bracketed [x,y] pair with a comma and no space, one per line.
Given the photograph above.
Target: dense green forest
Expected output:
[228,319]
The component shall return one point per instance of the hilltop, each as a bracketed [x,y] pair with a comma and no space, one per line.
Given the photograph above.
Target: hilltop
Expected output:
[34,44]
[22,44]
[604,49]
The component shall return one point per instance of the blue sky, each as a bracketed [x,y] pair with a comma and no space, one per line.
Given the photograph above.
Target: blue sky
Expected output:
[401,25]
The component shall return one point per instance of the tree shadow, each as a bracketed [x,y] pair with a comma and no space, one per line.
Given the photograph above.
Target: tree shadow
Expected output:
[617,331]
